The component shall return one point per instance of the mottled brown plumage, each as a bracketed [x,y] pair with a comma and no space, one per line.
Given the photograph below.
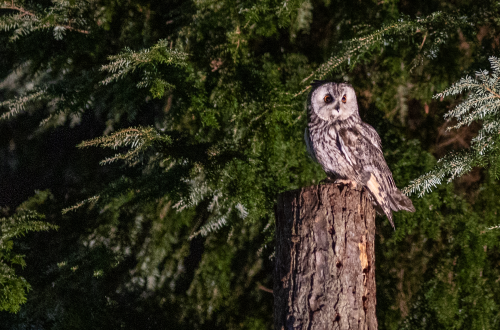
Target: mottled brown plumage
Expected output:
[349,149]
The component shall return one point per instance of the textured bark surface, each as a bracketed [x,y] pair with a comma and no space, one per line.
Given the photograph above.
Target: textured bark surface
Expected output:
[324,275]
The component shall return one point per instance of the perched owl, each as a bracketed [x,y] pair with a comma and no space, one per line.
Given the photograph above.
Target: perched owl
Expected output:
[347,148]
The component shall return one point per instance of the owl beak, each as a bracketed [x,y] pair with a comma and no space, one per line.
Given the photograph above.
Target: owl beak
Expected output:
[336,106]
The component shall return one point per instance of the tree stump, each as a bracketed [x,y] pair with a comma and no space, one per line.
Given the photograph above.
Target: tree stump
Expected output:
[324,275]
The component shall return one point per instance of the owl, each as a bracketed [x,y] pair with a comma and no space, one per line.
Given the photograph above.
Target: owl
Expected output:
[348,149]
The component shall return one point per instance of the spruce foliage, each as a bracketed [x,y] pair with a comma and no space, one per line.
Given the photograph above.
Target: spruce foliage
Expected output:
[14,288]
[62,15]
[165,130]
[482,104]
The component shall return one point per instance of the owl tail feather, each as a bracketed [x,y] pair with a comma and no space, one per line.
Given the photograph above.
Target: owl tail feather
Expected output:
[401,202]
[386,211]
[384,202]
[392,200]
[397,201]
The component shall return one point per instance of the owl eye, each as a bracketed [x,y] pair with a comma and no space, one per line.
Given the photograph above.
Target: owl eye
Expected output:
[328,98]
[344,99]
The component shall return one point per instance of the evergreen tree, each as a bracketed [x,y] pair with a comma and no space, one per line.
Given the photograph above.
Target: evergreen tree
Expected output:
[202,104]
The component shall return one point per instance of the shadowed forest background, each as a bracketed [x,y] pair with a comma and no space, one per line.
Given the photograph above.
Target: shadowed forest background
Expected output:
[143,144]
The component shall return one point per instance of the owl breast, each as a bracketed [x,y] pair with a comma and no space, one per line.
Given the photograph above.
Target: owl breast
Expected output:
[326,148]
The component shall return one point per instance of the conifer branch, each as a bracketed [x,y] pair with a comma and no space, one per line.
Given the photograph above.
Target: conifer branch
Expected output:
[56,17]
[220,206]
[138,139]
[91,200]
[13,288]
[14,7]
[21,223]
[18,105]
[353,50]
[147,59]
[482,103]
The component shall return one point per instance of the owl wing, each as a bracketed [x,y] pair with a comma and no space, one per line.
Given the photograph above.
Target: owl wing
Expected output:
[309,145]
[362,148]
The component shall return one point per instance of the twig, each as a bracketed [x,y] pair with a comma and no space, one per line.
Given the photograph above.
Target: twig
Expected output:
[263,288]
[302,91]
[492,92]
[26,12]
[22,10]
[423,41]
[74,29]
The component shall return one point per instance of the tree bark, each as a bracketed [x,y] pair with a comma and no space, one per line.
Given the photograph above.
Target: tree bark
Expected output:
[324,275]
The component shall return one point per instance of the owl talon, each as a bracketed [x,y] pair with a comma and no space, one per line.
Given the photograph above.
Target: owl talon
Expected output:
[350,183]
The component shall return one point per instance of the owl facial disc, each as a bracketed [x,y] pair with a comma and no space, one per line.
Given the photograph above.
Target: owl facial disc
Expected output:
[332,102]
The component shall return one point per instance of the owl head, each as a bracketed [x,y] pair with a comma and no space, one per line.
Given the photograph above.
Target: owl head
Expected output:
[333,102]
